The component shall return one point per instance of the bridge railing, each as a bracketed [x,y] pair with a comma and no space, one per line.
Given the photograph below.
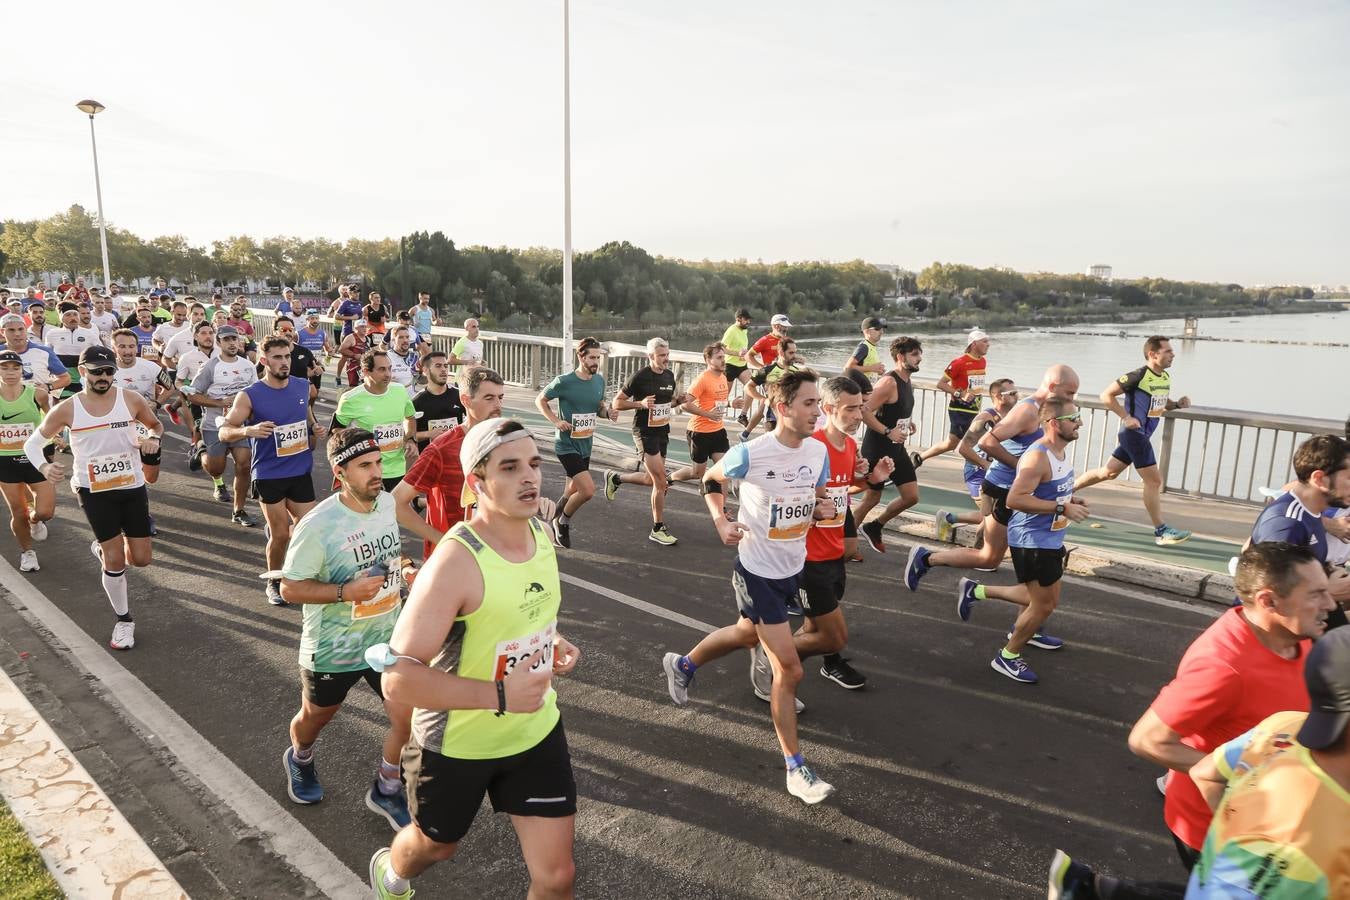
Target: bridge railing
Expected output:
[1219,454]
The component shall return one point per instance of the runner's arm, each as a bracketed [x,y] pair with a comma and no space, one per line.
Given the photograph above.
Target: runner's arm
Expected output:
[971,439]
[945,385]
[233,429]
[51,425]
[881,395]
[622,401]
[541,403]
[1013,424]
[404,494]
[140,410]
[1030,473]
[1154,740]
[1111,398]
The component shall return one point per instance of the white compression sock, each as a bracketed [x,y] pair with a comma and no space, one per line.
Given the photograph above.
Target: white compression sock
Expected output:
[115,586]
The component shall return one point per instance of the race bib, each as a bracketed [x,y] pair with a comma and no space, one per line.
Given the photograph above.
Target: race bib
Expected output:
[839,496]
[149,352]
[583,425]
[436,426]
[790,517]
[975,383]
[511,652]
[385,600]
[291,439]
[111,472]
[1059,523]
[12,436]
[1157,405]
[389,437]
[659,415]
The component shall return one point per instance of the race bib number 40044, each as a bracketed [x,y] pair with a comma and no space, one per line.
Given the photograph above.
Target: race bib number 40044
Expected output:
[291,439]
[111,472]
[583,425]
[517,650]
[12,436]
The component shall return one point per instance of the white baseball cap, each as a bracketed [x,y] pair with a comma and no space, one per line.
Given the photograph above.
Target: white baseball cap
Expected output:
[976,335]
[780,319]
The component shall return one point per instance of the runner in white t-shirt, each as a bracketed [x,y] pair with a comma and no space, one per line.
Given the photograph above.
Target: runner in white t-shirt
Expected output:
[189,364]
[141,376]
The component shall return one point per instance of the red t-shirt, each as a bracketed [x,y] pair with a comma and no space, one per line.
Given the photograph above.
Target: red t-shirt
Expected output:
[438,475]
[1226,683]
[767,348]
[825,540]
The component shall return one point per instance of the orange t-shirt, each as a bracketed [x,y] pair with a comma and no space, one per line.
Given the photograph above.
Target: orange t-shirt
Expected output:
[710,392]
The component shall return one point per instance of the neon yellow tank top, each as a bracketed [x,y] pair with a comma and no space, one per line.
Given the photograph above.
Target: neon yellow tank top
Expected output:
[519,614]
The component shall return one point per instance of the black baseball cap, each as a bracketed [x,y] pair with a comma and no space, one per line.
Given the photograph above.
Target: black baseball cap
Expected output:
[9,356]
[1327,674]
[98,356]
[874,322]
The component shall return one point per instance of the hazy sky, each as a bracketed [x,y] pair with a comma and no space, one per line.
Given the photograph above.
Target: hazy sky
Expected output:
[1193,140]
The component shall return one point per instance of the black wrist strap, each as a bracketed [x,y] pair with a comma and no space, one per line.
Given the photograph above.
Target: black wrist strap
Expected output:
[501,697]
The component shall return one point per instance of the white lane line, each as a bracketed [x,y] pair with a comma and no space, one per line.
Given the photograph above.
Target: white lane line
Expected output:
[281,831]
[86,842]
[651,608]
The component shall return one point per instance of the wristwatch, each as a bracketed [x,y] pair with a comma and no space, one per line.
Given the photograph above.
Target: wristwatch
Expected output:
[1059,509]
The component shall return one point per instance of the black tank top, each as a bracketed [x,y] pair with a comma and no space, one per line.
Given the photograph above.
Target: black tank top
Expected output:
[899,408]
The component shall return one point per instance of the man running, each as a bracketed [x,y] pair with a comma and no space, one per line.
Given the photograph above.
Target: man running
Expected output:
[69,340]
[276,417]
[141,376]
[486,720]
[106,474]
[761,355]
[581,401]
[785,360]
[214,389]
[424,315]
[376,315]
[41,365]
[1002,398]
[405,364]
[177,324]
[707,408]
[102,318]
[783,476]
[346,309]
[1145,393]
[317,339]
[964,380]
[865,357]
[352,348]
[438,405]
[887,416]
[303,363]
[287,305]
[736,341]
[651,392]
[344,567]
[144,330]
[383,409]
[28,494]
[468,350]
[1004,444]
[189,364]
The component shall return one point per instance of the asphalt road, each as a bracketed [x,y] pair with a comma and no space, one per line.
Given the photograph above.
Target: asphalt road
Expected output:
[952,780]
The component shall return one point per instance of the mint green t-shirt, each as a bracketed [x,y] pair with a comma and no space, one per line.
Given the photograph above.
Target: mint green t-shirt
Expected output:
[335,544]
[383,415]
[579,402]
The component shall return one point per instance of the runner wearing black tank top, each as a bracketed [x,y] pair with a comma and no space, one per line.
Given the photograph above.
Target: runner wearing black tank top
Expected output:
[887,417]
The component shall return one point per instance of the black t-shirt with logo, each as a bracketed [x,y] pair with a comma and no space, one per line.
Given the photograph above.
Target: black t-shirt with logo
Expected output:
[445,408]
[648,383]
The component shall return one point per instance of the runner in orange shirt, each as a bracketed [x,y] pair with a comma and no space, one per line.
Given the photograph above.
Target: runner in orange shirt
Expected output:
[706,431]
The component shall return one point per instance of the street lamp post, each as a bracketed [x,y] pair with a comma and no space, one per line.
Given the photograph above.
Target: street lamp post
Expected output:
[567,181]
[93,108]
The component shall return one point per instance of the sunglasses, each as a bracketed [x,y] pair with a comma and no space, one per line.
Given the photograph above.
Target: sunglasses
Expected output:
[1071,417]
[101,371]
[1008,393]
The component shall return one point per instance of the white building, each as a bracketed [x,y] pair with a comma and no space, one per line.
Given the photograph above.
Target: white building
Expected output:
[1100,272]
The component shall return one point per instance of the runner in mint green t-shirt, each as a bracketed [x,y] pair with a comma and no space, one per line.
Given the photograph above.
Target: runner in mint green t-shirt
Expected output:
[386,412]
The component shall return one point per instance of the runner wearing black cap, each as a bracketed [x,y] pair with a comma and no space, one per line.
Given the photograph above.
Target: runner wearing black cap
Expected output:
[865,358]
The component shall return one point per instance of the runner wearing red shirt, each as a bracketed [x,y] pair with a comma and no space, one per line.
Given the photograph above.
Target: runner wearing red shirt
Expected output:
[762,354]
[965,379]
[1246,666]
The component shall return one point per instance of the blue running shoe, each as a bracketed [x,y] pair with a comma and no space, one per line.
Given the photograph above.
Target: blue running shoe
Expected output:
[1043,641]
[394,808]
[965,597]
[1015,668]
[1167,536]
[302,779]
[917,567]
[1069,880]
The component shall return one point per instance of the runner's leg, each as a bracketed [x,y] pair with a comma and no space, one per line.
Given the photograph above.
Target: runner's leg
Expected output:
[787,674]
[546,844]
[820,635]
[1152,478]
[580,489]
[412,852]
[724,641]
[16,496]
[1107,472]
[1043,601]
[243,460]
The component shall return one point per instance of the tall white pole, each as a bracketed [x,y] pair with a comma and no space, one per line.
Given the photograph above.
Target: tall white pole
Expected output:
[98,188]
[567,182]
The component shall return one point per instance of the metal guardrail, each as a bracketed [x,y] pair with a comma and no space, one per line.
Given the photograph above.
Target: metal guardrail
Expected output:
[1218,454]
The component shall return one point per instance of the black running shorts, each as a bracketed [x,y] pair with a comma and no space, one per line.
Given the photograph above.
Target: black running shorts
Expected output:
[122,511]
[1045,567]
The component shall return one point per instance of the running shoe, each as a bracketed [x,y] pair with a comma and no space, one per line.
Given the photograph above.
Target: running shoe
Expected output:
[761,673]
[611,484]
[797,704]
[965,597]
[1161,783]
[154,532]
[943,528]
[379,867]
[856,557]
[1069,880]
[28,562]
[195,457]
[563,532]
[676,681]
[1015,668]
[745,436]
[663,537]
[807,786]
[917,566]
[221,493]
[1042,641]
[550,528]
[123,636]
[844,675]
[915,458]
[173,414]
[241,517]
[38,530]
[394,808]
[96,549]
[1167,536]
[743,419]
[302,779]
[872,531]
[274,593]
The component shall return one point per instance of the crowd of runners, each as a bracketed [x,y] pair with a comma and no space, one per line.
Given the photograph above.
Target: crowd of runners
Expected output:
[461,641]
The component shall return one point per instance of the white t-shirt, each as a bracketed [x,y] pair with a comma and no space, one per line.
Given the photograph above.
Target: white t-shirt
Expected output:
[71,342]
[220,380]
[469,351]
[401,369]
[179,343]
[106,323]
[191,362]
[166,330]
[139,377]
[778,498]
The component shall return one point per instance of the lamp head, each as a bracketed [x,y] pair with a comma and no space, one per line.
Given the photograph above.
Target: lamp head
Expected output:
[90,107]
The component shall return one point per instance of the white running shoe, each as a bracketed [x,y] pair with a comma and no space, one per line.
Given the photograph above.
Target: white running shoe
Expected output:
[96,549]
[806,786]
[761,673]
[123,636]
[38,530]
[942,529]
[28,562]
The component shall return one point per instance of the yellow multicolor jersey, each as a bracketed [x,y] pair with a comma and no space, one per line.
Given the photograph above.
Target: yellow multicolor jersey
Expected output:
[1282,831]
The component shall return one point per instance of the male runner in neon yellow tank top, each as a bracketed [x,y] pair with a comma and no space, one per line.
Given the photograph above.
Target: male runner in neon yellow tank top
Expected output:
[475,653]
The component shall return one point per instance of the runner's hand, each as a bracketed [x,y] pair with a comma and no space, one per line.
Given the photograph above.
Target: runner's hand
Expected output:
[260,430]
[860,467]
[526,688]
[363,589]
[738,403]
[730,532]
[1338,527]
[824,509]
[548,508]
[564,426]
[649,402]
[320,431]
[1130,422]
[898,429]
[884,467]
[150,445]
[1075,510]
[565,656]
[53,472]
[613,414]
[1184,403]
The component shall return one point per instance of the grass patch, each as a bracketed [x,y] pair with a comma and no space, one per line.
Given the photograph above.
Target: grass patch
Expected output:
[22,874]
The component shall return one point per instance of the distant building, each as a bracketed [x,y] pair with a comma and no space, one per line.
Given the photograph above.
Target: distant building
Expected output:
[1100,272]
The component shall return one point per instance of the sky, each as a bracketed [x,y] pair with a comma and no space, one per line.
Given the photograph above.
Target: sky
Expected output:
[1206,141]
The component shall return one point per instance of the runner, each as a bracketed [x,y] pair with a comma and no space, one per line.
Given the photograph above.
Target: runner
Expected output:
[276,417]
[651,392]
[141,376]
[486,718]
[189,364]
[144,330]
[851,552]
[887,416]
[376,313]
[964,379]
[317,339]
[344,567]
[161,289]
[239,317]
[405,364]
[41,365]
[213,389]
[1043,505]
[419,341]
[346,309]
[438,405]
[1145,392]
[775,515]
[287,305]
[1002,396]
[352,348]
[736,341]
[865,358]
[468,350]
[706,431]
[106,474]
[1004,444]
[762,354]
[424,314]
[581,401]
[69,340]
[303,363]
[30,496]
[177,324]
[785,360]
[36,322]
[385,411]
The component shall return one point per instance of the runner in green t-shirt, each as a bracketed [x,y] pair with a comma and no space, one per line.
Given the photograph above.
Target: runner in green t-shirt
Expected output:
[386,412]
[344,566]
[736,341]
[22,405]
[581,400]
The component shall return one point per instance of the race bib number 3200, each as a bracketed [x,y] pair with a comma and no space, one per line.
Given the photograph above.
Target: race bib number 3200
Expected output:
[515,651]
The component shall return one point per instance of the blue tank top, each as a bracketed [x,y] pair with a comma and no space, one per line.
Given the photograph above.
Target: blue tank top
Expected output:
[1000,475]
[286,453]
[311,342]
[973,471]
[1044,531]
